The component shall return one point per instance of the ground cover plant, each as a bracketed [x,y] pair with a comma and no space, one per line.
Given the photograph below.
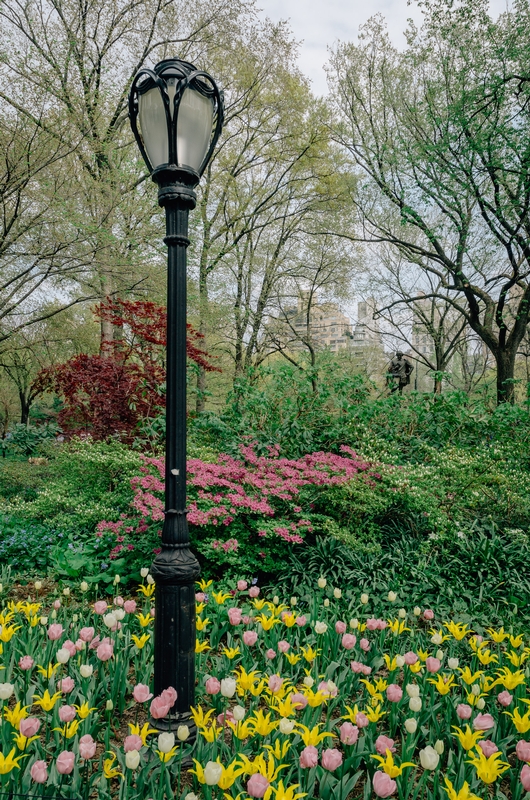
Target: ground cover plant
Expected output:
[340,695]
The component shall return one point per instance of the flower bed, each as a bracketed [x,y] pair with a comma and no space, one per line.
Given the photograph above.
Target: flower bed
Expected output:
[323,699]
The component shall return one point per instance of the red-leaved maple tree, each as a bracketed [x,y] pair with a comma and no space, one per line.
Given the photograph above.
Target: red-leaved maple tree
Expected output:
[109,394]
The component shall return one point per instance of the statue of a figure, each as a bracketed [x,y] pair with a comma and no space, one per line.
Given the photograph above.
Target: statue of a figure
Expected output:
[398,373]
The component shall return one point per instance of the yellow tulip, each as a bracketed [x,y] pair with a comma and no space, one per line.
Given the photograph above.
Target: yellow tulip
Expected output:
[140,641]
[467,739]
[488,769]
[9,762]
[390,767]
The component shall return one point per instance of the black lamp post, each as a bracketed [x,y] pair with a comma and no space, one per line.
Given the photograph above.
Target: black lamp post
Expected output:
[176,114]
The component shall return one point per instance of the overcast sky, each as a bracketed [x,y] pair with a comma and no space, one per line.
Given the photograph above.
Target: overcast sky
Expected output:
[320,23]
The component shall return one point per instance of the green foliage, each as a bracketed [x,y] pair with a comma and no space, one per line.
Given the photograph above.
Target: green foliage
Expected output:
[26,547]
[29,440]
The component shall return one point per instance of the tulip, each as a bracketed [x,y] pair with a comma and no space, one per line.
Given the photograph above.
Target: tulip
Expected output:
[67,713]
[429,758]
[383,743]
[239,713]
[348,641]
[66,685]
[340,627]
[86,670]
[129,606]
[483,722]
[144,572]
[525,777]
[169,695]
[39,772]
[87,746]
[383,784]
[228,688]
[392,597]
[394,693]
[433,664]
[331,759]
[439,746]
[270,654]
[55,631]
[415,704]
[505,698]
[234,616]
[364,598]
[463,711]
[250,638]
[298,700]
[242,586]
[283,646]
[6,690]
[105,651]
[286,726]
[29,727]
[183,733]
[257,785]
[348,733]
[253,591]
[488,747]
[365,645]
[412,689]
[320,627]
[213,686]
[213,771]
[522,750]
[132,759]
[453,663]
[309,757]
[361,720]
[410,658]
[166,741]
[337,593]
[428,614]
[62,655]
[400,661]
[411,725]
[322,583]
[86,634]
[159,708]
[132,742]
[65,762]
[84,586]
[26,662]
[100,607]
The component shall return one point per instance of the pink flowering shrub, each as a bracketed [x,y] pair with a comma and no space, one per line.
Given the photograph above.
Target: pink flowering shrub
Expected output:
[249,511]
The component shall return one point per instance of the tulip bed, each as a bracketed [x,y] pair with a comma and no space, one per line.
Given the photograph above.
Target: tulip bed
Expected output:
[333,696]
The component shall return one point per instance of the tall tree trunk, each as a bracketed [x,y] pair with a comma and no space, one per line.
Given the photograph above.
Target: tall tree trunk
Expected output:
[25,405]
[505,360]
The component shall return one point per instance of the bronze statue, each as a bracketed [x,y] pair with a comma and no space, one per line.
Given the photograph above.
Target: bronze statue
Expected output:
[398,373]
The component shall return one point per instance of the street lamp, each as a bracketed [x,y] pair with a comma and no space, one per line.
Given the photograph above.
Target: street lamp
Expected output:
[176,114]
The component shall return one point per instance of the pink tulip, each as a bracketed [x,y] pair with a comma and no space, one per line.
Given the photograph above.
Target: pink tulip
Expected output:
[371,624]
[324,689]
[283,646]
[200,597]
[67,713]
[213,686]
[428,614]
[410,658]
[86,634]
[87,746]
[383,743]
[129,606]
[433,664]
[348,733]
[522,750]
[357,667]
[246,619]
[242,586]
[257,784]
[464,711]
[169,695]
[57,604]
[141,693]
[100,607]
[365,645]
[275,683]
[228,716]
[349,641]
[298,700]
[394,693]
[505,698]
[250,638]
[105,651]
[29,727]
[366,670]
[132,742]
[26,662]
[39,772]
[253,591]
[301,621]
[55,632]
[488,748]
[65,762]
[159,708]
[483,722]
[118,600]
[340,627]
[94,644]
[331,759]
[70,646]
[361,720]
[270,654]
[234,616]
[79,645]
[383,784]
[309,757]
[66,685]
[525,777]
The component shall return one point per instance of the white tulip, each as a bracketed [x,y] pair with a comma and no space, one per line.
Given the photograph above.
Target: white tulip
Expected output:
[412,689]
[411,725]
[400,661]
[119,613]
[84,586]
[116,580]
[402,613]
[415,704]
[320,627]
[38,585]
[417,611]
[337,593]
[109,705]
[429,758]
[481,703]
[475,689]
[183,733]
[75,618]
[276,600]
[286,725]
[437,638]
[144,572]
[6,690]
[239,713]
[228,689]
[212,773]
[110,620]
[132,759]
[322,583]
[453,663]
[439,746]
[294,601]
[354,624]
[62,655]
[364,598]
[86,670]
[66,591]
[166,741]
[309,681]
[191,796]
[392,597]
[326,602]
[440,655]
[53,615]
[150,580]
[44,620]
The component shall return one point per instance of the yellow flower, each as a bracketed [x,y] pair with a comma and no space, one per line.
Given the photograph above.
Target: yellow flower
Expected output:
[48,671]
[522,723]
[516,641]
[487,683]
[9,762]
[261,765]
[140,641]
[292,658]
[312,737]
[231,652]
[262,725]
[388,765]
[375,714]
[279,751]
[199,607]
[352,714]
[108,770]
[472,699]
[289,619]
[15,714]
[220,597]
[497,636]
[423,655]
[245,680]
[259,603]
[147,591]
[201,719]
[288,792]
[8,631]
[142,732]
[46,702]
[144,619]
[314,699]
[488,769]
[242,730]
[22,741]
[70,729]
[467,739]
[202,623]
[284,707]
[200,647]
[84,710]
[463,794]
[457,629]
[510,680]
[443,683]
[397,626]
[375,689]
[210,734]
[517,659]
[470,677]
[230,774]
[486,656]
[310,654]
[415,667]
[391,664]
[267,622]
[203,585]
[165,757]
